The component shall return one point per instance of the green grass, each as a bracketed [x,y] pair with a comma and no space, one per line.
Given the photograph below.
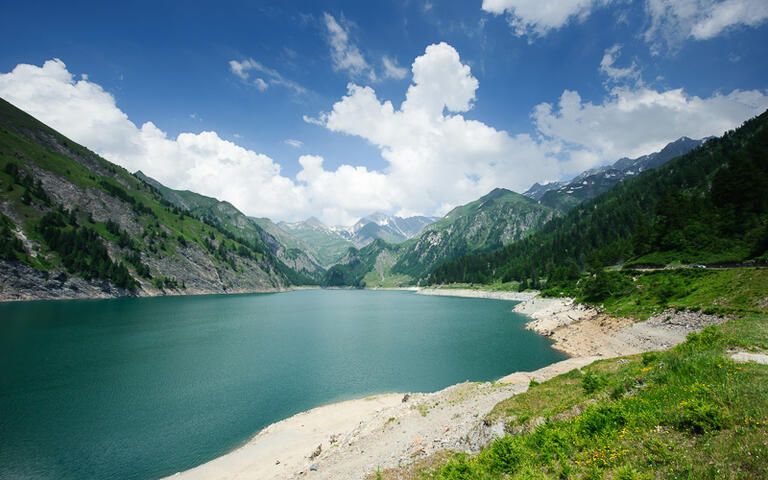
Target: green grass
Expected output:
[372,279]
[735,291]
[556,396]
[689,412]
[641,294]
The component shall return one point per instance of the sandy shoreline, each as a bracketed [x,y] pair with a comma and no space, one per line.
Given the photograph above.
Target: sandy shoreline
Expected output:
[358,436]
[472,293]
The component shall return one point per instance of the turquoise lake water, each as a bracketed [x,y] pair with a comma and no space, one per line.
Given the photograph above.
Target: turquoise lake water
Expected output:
[140,388]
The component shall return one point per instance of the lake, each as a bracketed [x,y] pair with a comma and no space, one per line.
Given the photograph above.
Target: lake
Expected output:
[140,388]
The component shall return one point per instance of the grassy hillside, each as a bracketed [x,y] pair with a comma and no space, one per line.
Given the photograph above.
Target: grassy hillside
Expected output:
[494,220]
[65,209]
[708,206]
[641,294]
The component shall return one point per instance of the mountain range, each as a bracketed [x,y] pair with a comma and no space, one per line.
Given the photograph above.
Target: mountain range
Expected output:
[73,224]
[389,228]
[494,220]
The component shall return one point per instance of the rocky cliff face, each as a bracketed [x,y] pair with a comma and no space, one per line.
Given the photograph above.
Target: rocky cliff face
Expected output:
[75,225]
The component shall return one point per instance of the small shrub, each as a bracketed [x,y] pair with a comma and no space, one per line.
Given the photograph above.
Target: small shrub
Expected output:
[504,455]
[700,416]
[650,357]
[458,469]
[598,419]
[709,337]
[591,382]
[628,472]
[619,388]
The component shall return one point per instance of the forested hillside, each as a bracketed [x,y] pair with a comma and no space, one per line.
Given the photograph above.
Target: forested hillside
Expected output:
[708,206]
[370,266]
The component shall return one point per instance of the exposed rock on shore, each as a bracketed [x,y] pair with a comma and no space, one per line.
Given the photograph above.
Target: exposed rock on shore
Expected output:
[579,330]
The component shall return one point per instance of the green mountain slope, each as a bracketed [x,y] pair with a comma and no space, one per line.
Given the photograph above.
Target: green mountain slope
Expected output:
[494,220]
[75,225]
[323,243]
[707,206]
[225,216]
[370,266]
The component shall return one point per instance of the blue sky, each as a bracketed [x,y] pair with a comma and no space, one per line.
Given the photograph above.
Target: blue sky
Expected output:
[238,93]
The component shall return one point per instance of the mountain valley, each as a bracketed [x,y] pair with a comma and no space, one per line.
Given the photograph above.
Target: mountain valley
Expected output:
[148,239]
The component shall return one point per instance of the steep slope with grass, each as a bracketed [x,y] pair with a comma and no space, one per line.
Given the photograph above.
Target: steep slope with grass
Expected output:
[224,215]
[708,206]
[76,225]
[499,218]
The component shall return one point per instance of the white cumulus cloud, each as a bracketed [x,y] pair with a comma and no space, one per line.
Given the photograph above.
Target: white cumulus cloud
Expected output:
[636,121]
[670,21]
[435,157]
[540,16]
[673,21]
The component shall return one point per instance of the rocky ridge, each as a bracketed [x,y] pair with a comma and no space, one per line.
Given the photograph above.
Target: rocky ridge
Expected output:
[591,183]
